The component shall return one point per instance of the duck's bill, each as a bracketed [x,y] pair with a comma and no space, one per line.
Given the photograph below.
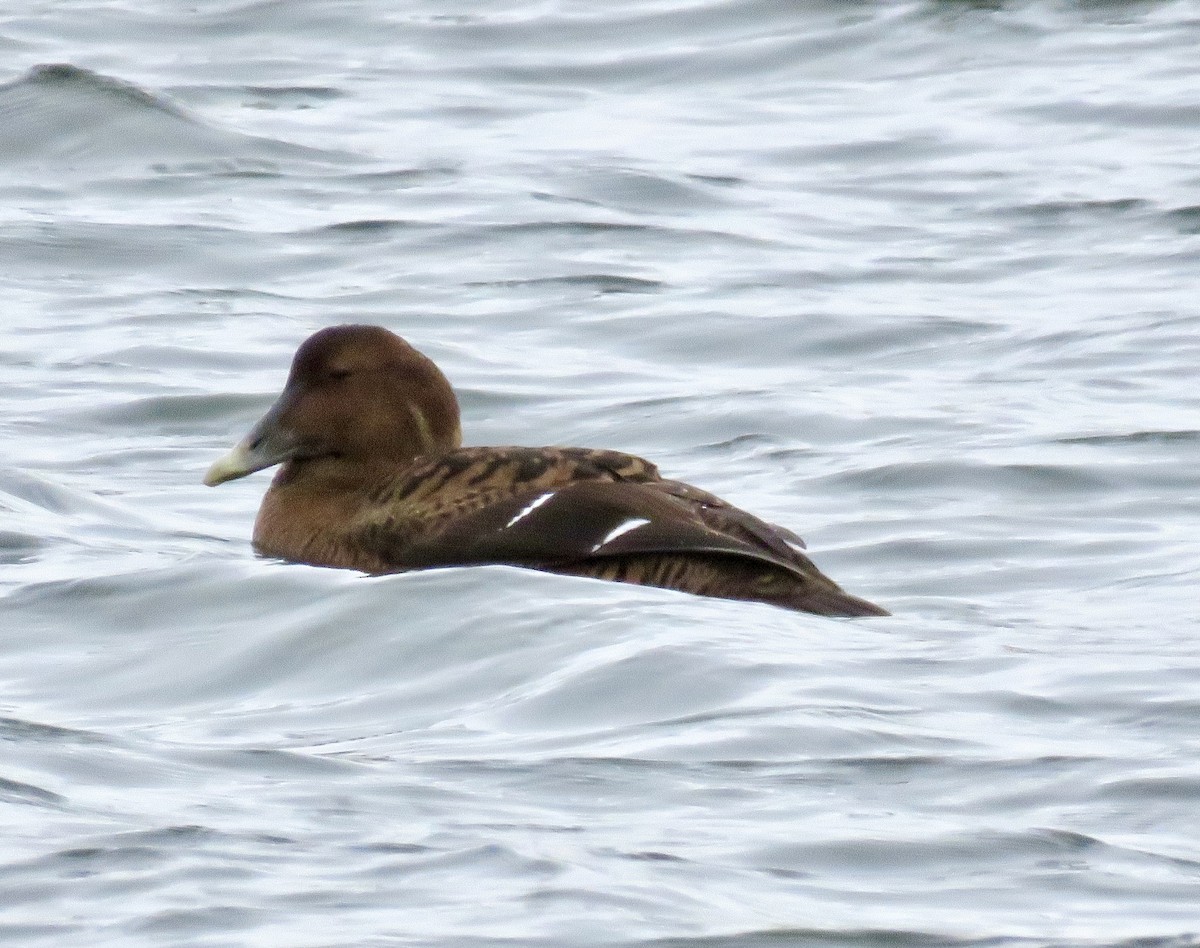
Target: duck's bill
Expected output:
[265,446]
[272,441]
[237,463]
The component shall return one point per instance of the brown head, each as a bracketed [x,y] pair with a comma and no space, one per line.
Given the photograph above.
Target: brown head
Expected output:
[359,401]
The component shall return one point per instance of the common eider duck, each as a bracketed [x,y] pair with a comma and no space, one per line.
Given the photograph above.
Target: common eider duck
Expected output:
[374,478]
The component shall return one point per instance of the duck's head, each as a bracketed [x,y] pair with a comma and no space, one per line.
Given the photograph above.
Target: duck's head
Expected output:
[358,399]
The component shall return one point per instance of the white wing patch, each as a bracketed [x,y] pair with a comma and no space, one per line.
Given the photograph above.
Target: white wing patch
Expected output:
[620,530]
[530,508]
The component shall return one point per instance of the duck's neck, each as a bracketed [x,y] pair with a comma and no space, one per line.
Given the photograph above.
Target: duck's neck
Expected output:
[308,516]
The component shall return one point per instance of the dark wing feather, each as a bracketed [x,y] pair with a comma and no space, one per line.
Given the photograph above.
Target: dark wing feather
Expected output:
[726,518]
[581,521]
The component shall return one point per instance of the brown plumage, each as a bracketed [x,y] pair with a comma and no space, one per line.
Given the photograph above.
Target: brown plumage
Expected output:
[373,478]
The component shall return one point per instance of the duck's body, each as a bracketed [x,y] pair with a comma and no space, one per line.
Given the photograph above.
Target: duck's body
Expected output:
[374,479]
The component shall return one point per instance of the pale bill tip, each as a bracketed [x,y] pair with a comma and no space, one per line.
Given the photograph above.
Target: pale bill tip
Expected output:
[228,468]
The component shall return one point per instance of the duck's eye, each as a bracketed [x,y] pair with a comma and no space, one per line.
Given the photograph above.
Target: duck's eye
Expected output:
[336,375]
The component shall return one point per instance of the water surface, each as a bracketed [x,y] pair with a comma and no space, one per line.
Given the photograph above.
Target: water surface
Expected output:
[917,280]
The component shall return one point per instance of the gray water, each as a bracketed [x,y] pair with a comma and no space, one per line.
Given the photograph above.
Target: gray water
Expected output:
[917,280]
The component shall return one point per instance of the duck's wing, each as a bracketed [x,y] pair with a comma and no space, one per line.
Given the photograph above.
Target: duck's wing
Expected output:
[549,506]
[726,518]
[553,526]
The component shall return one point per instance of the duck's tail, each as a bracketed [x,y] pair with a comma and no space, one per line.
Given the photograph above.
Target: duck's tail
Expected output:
[731,577]
[829,600]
